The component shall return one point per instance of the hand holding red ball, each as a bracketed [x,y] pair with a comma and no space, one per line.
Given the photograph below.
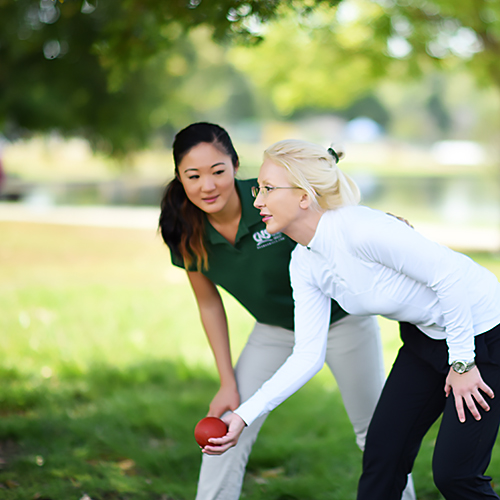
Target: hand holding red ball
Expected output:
[209,427]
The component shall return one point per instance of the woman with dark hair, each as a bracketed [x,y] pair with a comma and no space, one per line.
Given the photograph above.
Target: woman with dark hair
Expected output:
[213,231]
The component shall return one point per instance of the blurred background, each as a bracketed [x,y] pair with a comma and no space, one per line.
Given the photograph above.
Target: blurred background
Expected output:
[104,366]
[91,95]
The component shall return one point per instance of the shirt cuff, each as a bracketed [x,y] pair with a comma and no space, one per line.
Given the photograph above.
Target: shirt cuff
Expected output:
[251,409]
[461,352]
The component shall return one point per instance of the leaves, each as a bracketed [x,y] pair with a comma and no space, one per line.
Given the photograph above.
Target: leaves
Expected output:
[328,57]
[116,72]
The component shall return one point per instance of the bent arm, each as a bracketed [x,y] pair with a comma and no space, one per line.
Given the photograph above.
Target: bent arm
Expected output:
[213,318]
[395,245]
[312,317]
[406,251]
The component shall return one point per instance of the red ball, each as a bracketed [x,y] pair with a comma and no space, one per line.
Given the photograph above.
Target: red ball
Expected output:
[209,427]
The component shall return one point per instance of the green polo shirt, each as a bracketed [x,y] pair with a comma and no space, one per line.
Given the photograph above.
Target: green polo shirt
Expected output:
[255,269]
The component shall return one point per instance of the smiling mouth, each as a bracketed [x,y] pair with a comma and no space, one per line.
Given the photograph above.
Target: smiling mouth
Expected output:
[266,217]
[211,199]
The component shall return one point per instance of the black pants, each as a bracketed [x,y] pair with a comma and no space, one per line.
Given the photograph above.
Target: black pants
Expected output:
[411,401]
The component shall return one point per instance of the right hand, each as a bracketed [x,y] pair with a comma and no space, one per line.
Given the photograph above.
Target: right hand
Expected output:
[217,446]
[468,387]
[226,399]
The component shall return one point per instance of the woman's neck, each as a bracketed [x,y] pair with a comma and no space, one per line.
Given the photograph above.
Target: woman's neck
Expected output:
[304,229]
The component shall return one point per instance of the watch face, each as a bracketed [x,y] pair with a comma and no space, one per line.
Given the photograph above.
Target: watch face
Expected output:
[459,366]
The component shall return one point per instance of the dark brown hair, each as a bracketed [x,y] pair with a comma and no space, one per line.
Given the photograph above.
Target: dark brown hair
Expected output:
[182,222]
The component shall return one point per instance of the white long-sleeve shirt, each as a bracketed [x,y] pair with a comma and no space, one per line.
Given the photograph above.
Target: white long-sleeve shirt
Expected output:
[371,263]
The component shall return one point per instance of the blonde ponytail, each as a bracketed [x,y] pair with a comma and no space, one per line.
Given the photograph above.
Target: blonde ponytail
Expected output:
[314,169]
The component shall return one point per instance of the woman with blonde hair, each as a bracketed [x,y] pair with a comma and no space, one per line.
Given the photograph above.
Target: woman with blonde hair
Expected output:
[448,308]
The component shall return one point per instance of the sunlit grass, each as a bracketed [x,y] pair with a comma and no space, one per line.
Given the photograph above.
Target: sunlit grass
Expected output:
[105,370]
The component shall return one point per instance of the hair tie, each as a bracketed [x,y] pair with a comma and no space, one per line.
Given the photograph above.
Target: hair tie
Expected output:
[334,154]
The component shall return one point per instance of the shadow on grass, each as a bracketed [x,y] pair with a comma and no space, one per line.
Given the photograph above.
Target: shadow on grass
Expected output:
[127,434]
[109,433]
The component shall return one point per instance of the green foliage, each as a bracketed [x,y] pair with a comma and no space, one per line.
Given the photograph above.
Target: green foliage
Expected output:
[450,32]
[329,57]
[119,71]
[113,74]
[52,78]
[323,65]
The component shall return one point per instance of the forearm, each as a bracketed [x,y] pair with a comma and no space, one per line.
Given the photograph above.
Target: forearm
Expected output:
[213,317]
[215,325]
[298,369]
[312,314]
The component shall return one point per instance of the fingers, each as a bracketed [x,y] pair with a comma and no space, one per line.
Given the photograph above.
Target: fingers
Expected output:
[447,389]
[470,400]
[218,446]
[482,402]
[487,389]
[459,405]
[479,397]
[471,388]
[217,450]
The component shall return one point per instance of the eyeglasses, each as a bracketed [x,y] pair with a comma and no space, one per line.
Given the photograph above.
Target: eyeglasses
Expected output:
[268,189]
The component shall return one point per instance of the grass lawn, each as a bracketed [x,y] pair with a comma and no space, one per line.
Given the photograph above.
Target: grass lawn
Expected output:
[105,371]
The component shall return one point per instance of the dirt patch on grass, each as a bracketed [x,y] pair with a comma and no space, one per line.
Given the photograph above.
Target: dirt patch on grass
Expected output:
[9,450]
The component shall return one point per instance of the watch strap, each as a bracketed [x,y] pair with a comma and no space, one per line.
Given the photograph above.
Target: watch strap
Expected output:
[463,366]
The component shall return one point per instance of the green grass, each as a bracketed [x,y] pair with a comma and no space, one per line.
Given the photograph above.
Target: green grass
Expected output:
[105,370]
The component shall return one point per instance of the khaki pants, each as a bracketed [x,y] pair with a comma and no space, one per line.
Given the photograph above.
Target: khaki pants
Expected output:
[354,355]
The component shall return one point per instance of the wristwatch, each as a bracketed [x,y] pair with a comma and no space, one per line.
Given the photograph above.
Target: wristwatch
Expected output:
[463,366]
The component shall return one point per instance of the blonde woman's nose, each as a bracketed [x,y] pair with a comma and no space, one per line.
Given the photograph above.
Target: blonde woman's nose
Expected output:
[258,203]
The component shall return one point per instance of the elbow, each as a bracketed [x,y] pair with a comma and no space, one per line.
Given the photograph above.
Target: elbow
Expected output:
[314,361]
[318,366]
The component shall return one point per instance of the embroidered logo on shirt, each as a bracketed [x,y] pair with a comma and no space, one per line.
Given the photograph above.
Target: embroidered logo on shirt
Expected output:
[264,239]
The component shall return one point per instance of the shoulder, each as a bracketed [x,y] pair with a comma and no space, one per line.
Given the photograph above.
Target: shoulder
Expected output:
[365,217]
[352,219]
[358,213]
[362,225]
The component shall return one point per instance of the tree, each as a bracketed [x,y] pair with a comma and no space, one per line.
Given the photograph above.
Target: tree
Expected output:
[445,32]
[113,72]
[418,31]
[337,55]
[51,78]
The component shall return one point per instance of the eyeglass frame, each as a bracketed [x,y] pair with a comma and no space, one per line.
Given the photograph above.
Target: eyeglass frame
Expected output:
[268,189]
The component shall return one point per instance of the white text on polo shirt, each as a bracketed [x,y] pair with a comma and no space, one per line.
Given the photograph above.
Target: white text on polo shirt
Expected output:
[264,239]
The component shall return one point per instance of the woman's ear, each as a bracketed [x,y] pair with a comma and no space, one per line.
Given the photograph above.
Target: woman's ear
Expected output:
[305,200]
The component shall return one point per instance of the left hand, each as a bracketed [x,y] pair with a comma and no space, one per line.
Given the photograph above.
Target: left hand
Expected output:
[226,399]
[218,446]
[466,387]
